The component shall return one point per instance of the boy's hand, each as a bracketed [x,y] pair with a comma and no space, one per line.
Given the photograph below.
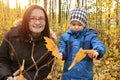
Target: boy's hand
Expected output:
[95,54]
[61,55]
[92,53]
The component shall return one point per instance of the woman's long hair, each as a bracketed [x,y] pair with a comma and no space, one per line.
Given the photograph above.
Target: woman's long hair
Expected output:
[25,22]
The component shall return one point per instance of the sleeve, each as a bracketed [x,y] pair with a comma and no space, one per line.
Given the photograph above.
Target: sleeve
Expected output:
[99,46]
[4,60]
[62,47]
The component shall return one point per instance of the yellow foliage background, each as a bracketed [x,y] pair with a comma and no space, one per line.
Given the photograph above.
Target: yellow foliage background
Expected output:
[104,16]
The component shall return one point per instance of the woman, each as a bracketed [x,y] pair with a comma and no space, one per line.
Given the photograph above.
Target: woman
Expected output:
[25,42]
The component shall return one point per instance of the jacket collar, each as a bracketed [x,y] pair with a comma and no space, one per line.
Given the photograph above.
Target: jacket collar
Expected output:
[78,32]
[85,31]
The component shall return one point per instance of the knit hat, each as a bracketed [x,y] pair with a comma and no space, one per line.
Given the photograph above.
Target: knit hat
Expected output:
[79,14]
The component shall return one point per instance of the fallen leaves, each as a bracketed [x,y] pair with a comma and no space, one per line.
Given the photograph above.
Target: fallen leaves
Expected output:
[108,67]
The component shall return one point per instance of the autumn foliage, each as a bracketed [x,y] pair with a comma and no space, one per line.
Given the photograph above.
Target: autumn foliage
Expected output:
[104,16]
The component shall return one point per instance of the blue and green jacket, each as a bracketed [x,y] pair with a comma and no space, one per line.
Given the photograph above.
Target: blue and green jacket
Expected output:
[70,43]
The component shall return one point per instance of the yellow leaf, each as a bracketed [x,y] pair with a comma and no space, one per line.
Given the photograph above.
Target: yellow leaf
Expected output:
[89,52]
[19,71]
[107,62]
[79,56]
[22,67]
[52,47]
[21,77]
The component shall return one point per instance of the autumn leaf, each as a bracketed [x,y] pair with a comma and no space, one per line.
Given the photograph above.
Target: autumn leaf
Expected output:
[52,47]
[89,52]
[22,67]
[21,77]
[80,55]
[19,72]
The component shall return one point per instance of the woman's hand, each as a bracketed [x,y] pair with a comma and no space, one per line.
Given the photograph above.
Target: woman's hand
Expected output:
[13,78]
[10,78]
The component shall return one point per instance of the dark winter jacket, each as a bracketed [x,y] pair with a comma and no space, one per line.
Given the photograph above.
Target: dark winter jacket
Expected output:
[70,43]
[14,49]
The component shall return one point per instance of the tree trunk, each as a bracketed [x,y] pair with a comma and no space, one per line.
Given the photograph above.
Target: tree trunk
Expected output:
[59,19]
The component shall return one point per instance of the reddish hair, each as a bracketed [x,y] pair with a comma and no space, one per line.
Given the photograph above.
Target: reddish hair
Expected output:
[25,22]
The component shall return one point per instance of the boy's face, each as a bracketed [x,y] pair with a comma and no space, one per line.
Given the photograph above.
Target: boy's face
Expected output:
[76,26]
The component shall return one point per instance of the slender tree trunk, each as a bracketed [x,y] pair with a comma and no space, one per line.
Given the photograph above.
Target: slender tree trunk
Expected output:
[78,3]
[53,14]
[59,19]
[109,15]
[29,2]
[50,13]
[117,21]
[45,4]
[96,13]
[86,4]
[82,3]
[100,13]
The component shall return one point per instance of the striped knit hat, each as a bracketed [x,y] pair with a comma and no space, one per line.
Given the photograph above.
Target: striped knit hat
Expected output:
[79,14]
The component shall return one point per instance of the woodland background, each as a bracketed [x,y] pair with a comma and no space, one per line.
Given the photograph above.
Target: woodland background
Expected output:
[104,16]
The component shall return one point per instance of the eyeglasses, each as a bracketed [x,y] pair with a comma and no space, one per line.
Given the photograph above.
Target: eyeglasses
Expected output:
[33,19]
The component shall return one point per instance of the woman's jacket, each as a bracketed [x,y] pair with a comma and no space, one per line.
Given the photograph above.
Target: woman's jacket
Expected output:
[14,49]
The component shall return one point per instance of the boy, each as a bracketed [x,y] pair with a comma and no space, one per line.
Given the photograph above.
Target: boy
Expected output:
[79,36]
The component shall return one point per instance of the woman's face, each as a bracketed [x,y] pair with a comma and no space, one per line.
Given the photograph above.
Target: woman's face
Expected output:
[37,22]
[76,26]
